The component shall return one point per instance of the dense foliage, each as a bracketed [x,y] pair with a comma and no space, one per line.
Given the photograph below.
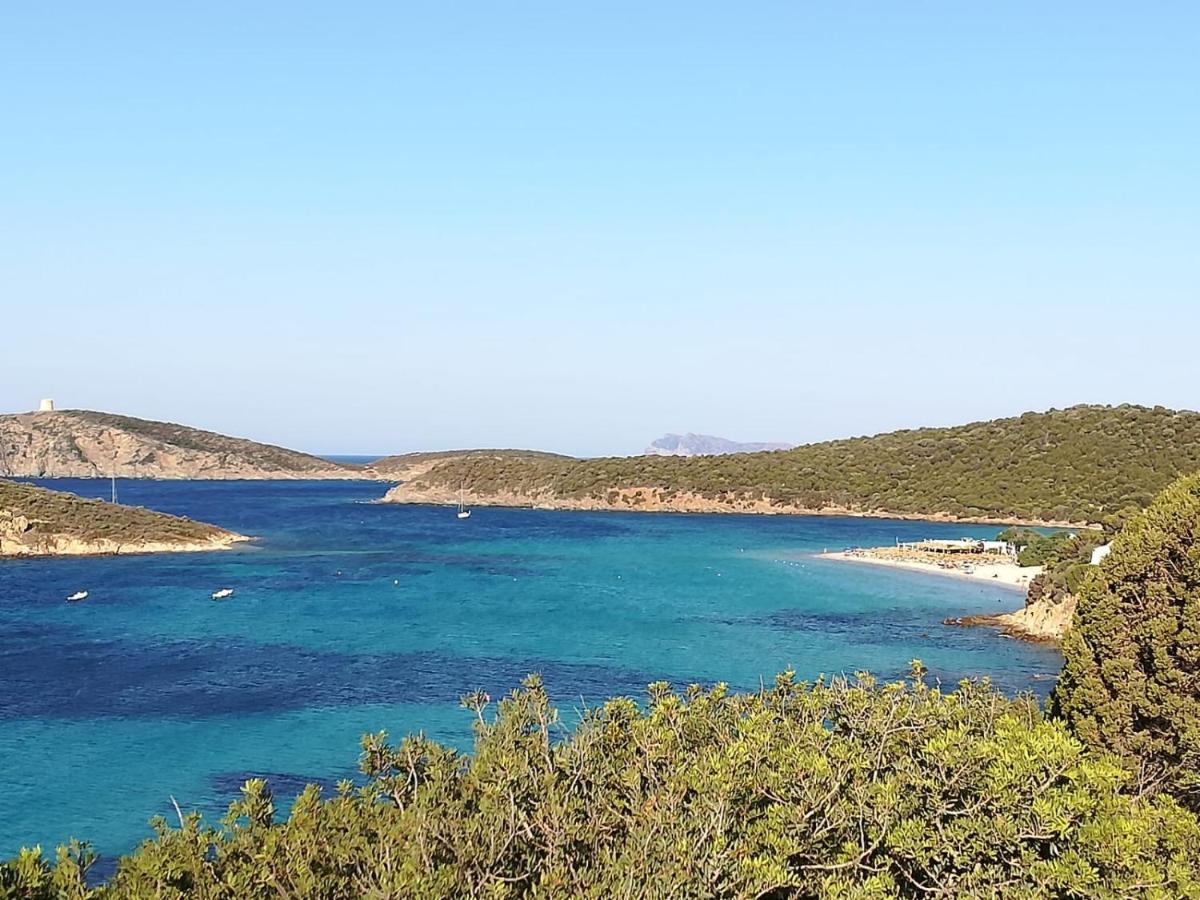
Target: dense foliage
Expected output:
[1094,464]
[1064,555]
[832,790]
[48,513]
[1035,548]
[1131,680]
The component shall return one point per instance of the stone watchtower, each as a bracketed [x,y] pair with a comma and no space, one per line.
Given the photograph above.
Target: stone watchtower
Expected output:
[46,406]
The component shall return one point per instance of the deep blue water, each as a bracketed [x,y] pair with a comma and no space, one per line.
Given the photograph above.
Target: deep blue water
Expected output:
[351,617]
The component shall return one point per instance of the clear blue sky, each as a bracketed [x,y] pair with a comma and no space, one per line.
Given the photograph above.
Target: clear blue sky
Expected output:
[392,226]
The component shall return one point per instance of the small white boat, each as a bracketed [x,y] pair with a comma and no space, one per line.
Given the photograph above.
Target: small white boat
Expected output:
[222,594]
[77,596]
[463,512]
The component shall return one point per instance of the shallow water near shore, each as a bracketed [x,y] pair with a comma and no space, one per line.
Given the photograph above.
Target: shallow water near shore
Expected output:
[351,616]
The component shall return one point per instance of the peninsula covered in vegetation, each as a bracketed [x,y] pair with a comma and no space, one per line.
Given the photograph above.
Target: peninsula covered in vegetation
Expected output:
[38,522]
[1085,464]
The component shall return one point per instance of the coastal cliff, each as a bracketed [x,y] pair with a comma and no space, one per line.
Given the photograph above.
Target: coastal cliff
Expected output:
[1042,620]
[84,444]
[38,522]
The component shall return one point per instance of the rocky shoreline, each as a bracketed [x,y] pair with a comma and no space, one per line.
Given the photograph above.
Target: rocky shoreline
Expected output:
[36,522]
[86,444]
[63,545]
[654,500]
[1040,622]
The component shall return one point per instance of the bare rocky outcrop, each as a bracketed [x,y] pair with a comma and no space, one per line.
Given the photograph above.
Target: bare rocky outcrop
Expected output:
[1043,619]
[83,444]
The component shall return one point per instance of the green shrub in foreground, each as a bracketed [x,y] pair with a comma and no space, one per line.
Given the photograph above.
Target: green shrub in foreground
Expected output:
[840,789]
[1131,679]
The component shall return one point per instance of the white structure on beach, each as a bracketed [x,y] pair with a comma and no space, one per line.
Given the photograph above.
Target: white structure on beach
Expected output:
[46,405]
[1004,548]
[1100,552]
[961,545]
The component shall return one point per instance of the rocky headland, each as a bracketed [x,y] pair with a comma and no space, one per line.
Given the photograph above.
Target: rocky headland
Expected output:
[84,444]
[39,522]
[416,488]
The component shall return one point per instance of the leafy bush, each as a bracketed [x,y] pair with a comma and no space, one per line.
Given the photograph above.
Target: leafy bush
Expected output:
[1064,556]
[1131,679]
[1037,549]
[840,789]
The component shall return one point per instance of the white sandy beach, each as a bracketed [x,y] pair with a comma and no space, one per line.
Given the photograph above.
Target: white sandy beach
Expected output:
[1008,574]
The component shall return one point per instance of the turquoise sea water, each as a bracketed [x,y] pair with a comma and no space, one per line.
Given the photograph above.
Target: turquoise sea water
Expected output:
[351,617]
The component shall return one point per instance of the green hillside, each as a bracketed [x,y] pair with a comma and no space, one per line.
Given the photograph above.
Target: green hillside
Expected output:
[1083,464]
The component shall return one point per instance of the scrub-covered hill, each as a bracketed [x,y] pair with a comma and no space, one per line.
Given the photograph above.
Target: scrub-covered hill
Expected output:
[1077,465]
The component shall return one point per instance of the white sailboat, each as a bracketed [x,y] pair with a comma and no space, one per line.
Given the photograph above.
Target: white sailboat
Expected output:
[463,512]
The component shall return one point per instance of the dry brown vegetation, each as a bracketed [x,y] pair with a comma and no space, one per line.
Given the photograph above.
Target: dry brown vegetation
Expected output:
[56,513]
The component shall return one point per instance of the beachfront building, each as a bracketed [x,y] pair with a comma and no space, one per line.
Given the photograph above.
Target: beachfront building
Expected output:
[960,546]
[1001,548]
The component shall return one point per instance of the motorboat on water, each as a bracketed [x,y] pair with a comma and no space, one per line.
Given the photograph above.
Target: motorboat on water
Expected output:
[222,594]
[77,596]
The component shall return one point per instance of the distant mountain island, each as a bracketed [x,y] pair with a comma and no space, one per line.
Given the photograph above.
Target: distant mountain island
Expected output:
[38,522]
[705,445]
[1086,464]
[84,444]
